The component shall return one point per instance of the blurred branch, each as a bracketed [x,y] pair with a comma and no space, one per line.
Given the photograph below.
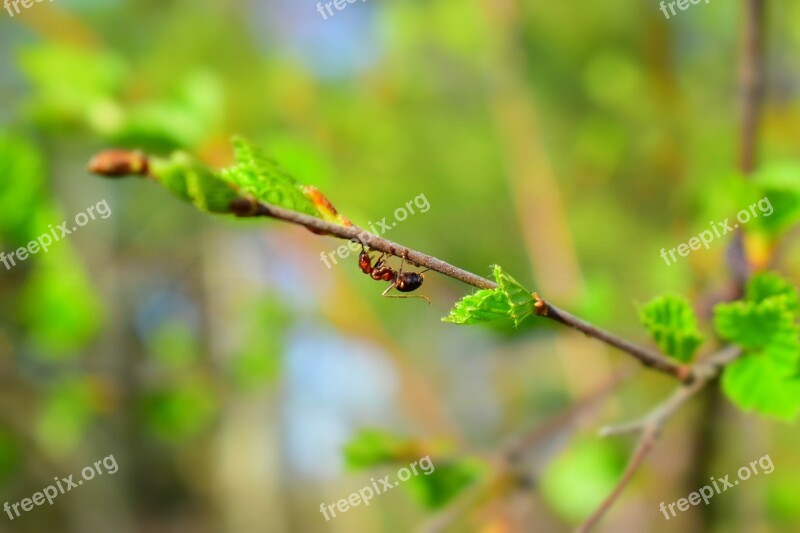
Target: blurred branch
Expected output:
[751,81]
[751,88]
[649,427]
[507,463]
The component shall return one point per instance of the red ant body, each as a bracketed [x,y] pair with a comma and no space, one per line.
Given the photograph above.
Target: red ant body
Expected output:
[402,281]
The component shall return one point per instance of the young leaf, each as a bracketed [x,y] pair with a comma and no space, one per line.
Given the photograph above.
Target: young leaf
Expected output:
[518,297]
[767,376]
[372,447]
[194,182]
[779,188]
[483,306]
[265,180]
[755,326]
[443,481]
[673,326]
[509,299]
[759,383]
[768,284]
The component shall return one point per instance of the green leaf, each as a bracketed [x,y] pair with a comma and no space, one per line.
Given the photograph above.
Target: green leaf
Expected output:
[509,299]
[766,378]
[22,196]
[265,180]
[778,184]
[372,447]
[483,306]
[519,299]
[768,284]
[194,182]
[760,383]
[439,483]
[181,410]
[65,415]
[755,325]
[577,481]
[71,84]
[59,306]
[673,326]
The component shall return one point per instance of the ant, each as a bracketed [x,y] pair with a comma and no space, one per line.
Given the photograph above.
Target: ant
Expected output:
[402,281]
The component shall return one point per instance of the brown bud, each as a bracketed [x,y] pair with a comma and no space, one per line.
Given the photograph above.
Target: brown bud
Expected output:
[116,163]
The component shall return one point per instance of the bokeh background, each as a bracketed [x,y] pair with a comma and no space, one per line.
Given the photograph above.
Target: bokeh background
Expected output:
[239,382]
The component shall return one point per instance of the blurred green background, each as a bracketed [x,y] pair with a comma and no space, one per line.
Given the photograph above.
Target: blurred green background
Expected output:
[227,369]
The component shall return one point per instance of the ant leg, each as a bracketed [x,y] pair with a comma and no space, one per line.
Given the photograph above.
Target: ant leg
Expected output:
[402,262]
[392,286]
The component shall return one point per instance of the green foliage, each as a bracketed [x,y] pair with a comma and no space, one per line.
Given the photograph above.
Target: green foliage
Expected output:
[767,285]
[74,87]
[59,306]
[22,192]
[483,306]
[11,453]
[183,119]
[673,326]
[372,447]
[194,182]
[766,378]
[181,410]
[509,299]
[780,183]
[577,481]
[174,345]
[265,180]
[70,85]
[265,325]
[65,415]
[252,177]
[446,481]
[445,478]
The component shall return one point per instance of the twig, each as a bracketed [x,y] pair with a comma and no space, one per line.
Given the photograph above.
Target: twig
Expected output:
[374,242]
[650,426]
[116,163]
[649,358]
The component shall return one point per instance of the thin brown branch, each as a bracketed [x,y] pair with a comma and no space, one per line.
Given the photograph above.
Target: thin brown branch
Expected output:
[649,358]
[650,426]
[116,163]
[375,242]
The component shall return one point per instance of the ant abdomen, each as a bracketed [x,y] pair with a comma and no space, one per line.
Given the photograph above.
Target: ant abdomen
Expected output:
[410,281]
